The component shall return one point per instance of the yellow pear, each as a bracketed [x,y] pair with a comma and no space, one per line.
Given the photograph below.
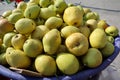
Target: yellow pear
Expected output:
[73,16]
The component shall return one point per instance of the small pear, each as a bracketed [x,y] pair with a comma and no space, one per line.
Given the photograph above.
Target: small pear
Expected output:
[51,41]
[53,22]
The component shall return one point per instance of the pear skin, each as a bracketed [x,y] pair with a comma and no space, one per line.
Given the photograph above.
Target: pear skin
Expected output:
[98,38]
[51,41]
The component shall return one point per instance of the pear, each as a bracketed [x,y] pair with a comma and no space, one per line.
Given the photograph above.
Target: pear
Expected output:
[17,58]
[110,39]
[107,50]
[98,38]
[81,8]
[73,16]
[62,48]
[18,40]
[14,17]
[86,10]
[16,10]
[85,31]
[32,12]
[51,41]
[6,13]
[91,24]
[77,44]
[22,5]
[68,30]
[45,3]
[39,21]
[60,6]
[3,48]
[25,25]
[53,22]
[67,63]
[93,58]
[112,31]
[34,1]
[32,47]
[3,59]
[7,39]
[39,32]
[5,26]
[44,13]
[45,65]
[102,24]
[90,15]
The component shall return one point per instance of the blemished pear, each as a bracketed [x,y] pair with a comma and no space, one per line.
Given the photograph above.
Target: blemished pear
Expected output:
[51,41]
[73,16]
[98,38]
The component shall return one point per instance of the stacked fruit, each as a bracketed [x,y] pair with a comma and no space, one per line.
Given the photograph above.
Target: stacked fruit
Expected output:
[52,37]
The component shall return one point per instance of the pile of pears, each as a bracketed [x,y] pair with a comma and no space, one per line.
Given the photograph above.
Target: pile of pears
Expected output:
[54,37]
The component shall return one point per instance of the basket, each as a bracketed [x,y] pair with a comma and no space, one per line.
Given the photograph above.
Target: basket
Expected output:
[82,75]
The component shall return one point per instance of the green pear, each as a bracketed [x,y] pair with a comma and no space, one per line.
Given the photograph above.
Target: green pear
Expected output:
[77,44]
[53,22]
[67,63]
[39,32]
[93,58]
[98,38]
[22,5]
[14,17]
[17,58]
[97,15]
[3,59]
[51,41]
[7,39]
[45,3]
[107,50]
[73,16]
[32,47]
[18,40]
[60,6]
[110,39]
[25,25]
[91,24]
[6,13]
[112,31]
[32,12]
[90,15]
[44,13]
[85,31]
[45,65]
[68,30]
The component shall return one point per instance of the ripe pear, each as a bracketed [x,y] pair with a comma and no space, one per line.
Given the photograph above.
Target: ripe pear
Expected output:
[5,26]
[73,16]
[18,40]
[18,59]
[68,30]
[25,25]
[60,6]
[45,65]
[7,39]
[45,3]
[22,5]
[6,13]
[112,31]
[85,31]
[91,24]
[3,59]
[98,38]
[44,13]
[51,41]
[93,58]
[67,63]
[39,32]
[102,24]
[108,49]
[53,22]
[77,44]
[14,17]
[32,47]
[32,12]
